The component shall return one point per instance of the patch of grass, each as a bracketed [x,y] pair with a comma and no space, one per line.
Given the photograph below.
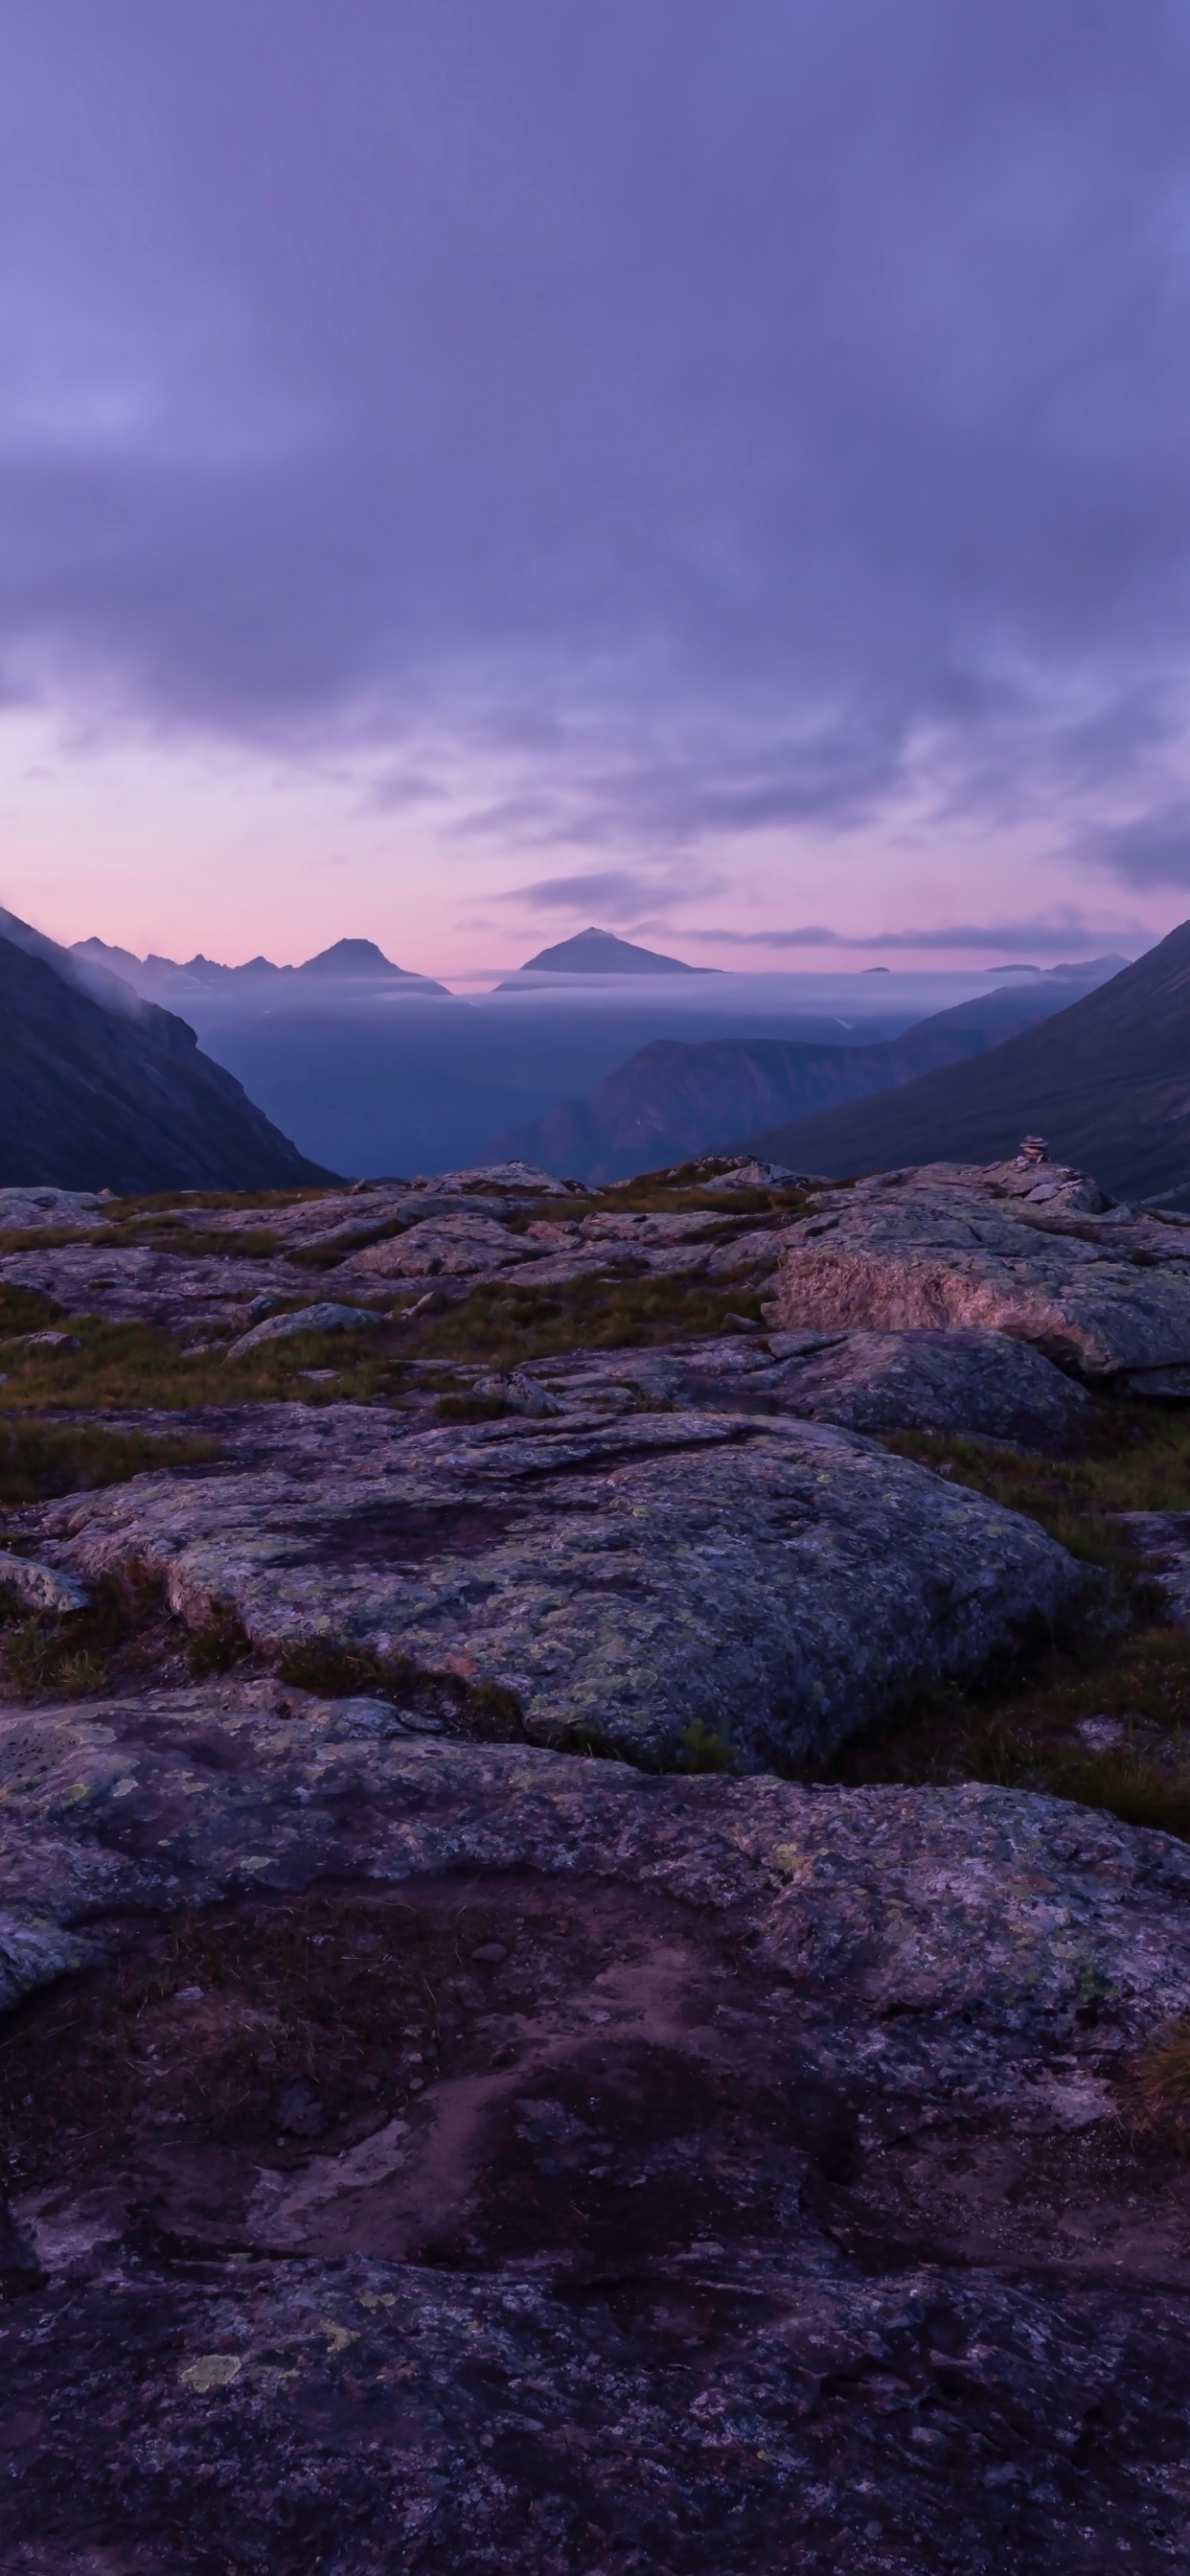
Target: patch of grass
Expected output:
[121,1366]
[40,1459]
[504,1326]
[445,1699]
[24,1310]
[167,1203]
[121,1632]
[1067,1496]
[218,1646]
[704,1750]
[192,1242]
[1023,1734]
[1158,2086]
[43,1238]
[472,1408]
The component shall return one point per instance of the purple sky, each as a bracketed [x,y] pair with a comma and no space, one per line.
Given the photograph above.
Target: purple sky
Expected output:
[469,468]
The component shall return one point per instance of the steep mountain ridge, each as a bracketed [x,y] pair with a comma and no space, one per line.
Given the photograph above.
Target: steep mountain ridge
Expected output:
[1106,1081]
[102,1090]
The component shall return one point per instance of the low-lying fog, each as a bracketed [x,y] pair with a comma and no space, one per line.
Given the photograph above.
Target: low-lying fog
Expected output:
[371,1078]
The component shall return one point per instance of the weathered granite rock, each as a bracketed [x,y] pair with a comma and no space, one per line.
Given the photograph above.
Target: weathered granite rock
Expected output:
[326,1317]
[26,1211]
[453,1245]
[411,1232]
[688,2175]
[41,1587]
[945,1246]
[771,1583]
[975,1382]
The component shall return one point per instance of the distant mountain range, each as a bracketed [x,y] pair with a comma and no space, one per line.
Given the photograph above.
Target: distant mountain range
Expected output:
[670,1101]
[349,961]
[100,1089]
[1107,1082]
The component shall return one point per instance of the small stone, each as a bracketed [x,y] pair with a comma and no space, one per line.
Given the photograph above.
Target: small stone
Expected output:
[1099,1734]
[325,1318]
[491,1953]
[297,2109]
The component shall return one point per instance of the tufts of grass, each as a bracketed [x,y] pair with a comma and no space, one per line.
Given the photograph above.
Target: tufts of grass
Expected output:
[1158,2086]
[23,1310]
[1072,1498]
[445,1701]
[218,1646]
[504,1326]
[121,1632]
[704,1750]
[38,1460]
[193,1242]
[168,1204]
[136,1366]
[1022,1732]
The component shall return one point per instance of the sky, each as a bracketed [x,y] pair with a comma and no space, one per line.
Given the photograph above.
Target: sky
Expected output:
[722,473]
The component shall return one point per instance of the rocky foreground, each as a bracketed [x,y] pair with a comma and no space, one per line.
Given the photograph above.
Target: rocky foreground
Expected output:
[432,2146]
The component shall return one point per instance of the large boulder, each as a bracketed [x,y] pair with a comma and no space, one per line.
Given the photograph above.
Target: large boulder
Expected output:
[979,1383]
[639,1584]
[1104,1293]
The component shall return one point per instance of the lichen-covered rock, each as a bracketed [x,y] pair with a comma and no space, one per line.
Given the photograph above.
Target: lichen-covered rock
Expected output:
[467,2157]
[26,1211]
[326,1317]
[41,1587]
[981,1383]
[772,1584]
[946,1247]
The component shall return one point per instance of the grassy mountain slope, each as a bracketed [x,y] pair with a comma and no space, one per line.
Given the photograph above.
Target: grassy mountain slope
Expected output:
[1107,1082]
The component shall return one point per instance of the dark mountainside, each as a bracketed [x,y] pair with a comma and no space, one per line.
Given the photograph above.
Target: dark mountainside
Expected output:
[672,1100]
[1107,1082]
[100,1097]
[599,952]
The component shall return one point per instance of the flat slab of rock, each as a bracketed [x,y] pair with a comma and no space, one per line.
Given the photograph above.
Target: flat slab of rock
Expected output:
[693,2173]
[638,1584]
[944,1247]
[982,1383]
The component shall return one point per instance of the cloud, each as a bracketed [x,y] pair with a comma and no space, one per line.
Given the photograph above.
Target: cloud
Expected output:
[1153,850]
[618,892]
[734,422]
[1049,935]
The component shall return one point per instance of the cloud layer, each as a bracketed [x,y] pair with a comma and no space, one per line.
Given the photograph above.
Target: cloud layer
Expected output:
[723,429]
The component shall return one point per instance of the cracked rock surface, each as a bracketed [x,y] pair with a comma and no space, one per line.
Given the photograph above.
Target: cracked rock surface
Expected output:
[470,2157]
[427,2149]
[771,1583]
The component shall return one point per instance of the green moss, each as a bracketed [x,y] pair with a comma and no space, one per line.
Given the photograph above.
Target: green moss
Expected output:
[704,1750]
